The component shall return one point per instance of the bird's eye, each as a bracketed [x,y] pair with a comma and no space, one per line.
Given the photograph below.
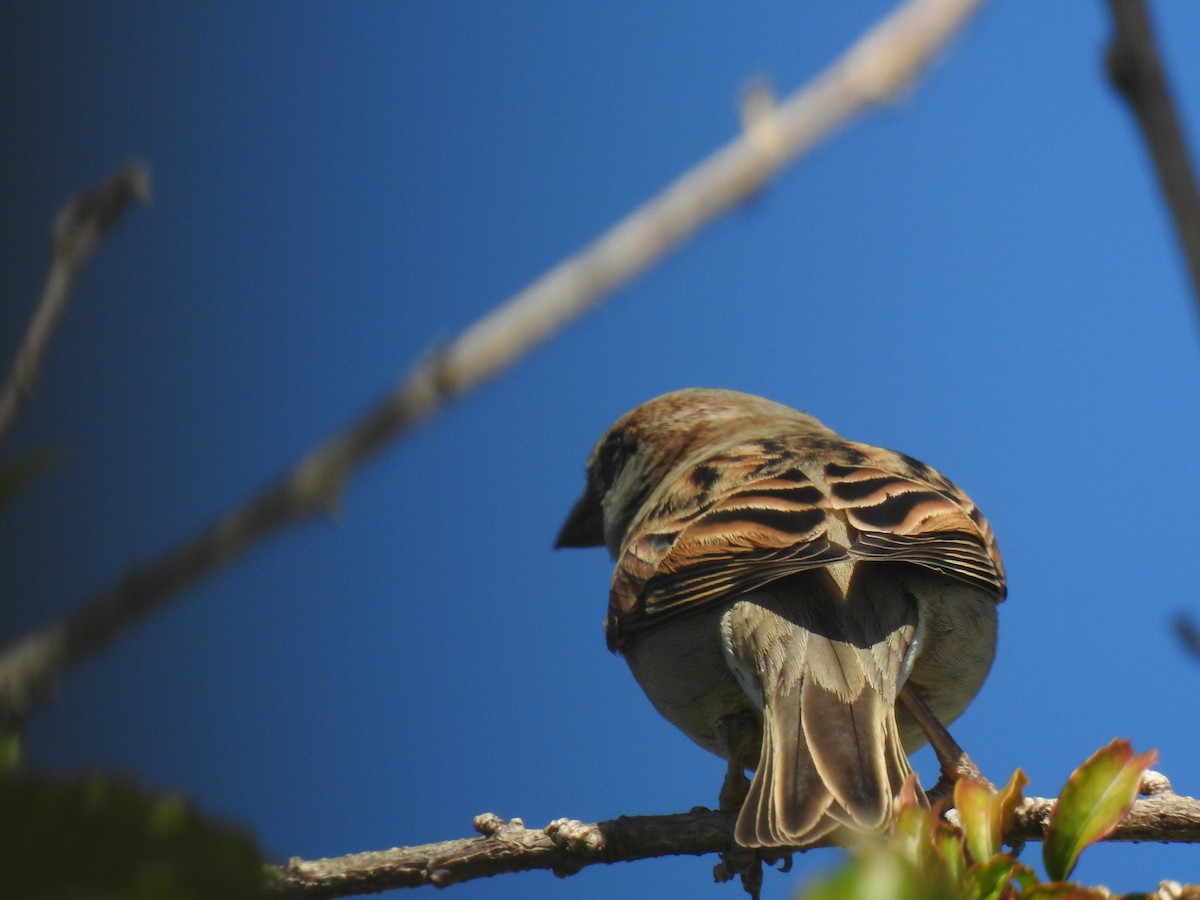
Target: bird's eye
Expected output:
[611,459]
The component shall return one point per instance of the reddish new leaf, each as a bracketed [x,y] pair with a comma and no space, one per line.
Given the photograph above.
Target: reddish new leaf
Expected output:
[986,814]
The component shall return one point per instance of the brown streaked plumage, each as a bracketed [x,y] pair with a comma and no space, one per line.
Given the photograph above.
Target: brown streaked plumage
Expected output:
[775,587]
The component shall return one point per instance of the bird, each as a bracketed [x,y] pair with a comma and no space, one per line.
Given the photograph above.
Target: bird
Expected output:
[778,590]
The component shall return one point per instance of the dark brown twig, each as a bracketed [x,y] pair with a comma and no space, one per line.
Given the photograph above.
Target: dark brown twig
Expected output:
[1136,72]
[76,235]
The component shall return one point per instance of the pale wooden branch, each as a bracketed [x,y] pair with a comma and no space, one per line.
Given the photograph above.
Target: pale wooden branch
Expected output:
[881,64]
[566,846]
[1135,70]
[76,234]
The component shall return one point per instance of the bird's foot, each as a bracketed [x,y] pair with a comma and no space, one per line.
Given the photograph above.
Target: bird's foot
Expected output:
[733,789]
[952,759]
[747,864]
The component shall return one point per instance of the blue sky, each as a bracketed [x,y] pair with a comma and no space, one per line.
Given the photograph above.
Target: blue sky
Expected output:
[982,275]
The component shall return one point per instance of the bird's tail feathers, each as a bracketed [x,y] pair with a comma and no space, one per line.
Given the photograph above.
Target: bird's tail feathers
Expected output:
[831,753]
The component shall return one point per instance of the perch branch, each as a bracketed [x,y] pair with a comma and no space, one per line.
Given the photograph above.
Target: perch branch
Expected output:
[76,235]
[1136,72]
[565,847]
[882,63]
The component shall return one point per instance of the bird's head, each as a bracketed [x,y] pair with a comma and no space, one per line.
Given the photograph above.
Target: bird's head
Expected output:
[640,451]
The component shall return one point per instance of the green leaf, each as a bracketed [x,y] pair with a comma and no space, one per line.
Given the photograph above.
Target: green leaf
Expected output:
[991,880]
[98,836]
[1025,877]
[975,802]
[949,845]
[881,872]
[1011,797]
[986,814]
[15,476]
[10,751]
[909,865]
[912,832]
[1091,804]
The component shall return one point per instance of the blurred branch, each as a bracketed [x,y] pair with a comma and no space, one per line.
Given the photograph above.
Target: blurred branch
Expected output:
[565,847]
[1136,72]
[882,63]
[1189,635]
[76,234]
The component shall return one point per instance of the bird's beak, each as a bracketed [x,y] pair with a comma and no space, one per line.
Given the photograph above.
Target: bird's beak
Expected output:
[584,526]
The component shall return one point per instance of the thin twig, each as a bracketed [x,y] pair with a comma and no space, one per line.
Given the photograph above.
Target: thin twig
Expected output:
[76,235]
[882,63]
[1136,72]
[565,847]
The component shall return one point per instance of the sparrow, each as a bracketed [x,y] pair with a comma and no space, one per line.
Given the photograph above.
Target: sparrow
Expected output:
[778,590]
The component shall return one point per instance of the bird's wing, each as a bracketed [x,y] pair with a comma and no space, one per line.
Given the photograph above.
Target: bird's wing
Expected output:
[897,508]
[756,512]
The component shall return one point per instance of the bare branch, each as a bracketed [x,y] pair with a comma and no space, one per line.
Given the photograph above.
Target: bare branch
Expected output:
[882,63]
[1136,72]
[77,232]
[878,67]
[565,847]
[1164,817]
